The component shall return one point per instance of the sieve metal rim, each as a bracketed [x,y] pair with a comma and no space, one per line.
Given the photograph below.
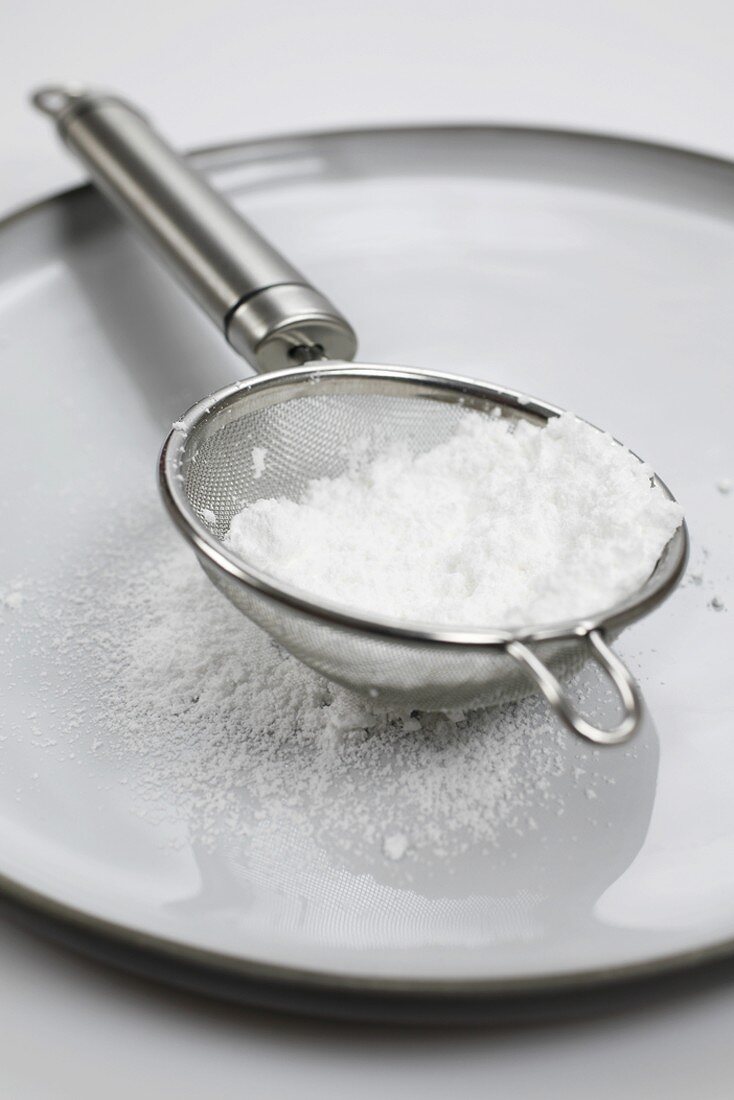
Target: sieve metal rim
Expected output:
[431,385]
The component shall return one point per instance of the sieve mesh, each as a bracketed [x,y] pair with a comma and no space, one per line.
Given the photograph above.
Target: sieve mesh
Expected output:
[307,434]
[305,438]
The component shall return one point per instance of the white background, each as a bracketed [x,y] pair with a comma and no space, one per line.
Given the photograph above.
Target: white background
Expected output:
[208,70]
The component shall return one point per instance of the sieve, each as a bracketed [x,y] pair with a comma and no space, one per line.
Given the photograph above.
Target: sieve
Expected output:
[309,403]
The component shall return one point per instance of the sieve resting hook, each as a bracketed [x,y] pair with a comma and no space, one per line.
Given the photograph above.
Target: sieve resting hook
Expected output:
[562,706]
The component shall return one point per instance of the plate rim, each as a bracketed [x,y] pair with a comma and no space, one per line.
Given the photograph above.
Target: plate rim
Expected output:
[17,212]
[207,968]
[81,928]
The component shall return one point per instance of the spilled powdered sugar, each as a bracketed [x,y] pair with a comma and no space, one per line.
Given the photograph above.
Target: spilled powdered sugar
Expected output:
[240,731]
[155,681]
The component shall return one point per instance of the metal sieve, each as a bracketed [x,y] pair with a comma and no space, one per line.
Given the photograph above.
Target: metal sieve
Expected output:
[305,417]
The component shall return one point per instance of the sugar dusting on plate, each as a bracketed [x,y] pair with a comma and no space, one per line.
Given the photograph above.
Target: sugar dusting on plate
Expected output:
[213,710]
[212,727]
[184,715]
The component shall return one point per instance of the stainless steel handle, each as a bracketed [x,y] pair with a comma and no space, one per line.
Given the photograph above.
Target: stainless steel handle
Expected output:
[267,310]
[619,674]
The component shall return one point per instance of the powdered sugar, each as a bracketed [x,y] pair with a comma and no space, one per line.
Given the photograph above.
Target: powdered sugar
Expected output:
[14,597]
[395,845]
[501,524]
[259,454]
[243,733]
[214,730]
[184,714]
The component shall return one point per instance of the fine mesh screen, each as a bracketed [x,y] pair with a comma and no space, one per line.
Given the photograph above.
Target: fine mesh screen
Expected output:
[307,433]
[304,438]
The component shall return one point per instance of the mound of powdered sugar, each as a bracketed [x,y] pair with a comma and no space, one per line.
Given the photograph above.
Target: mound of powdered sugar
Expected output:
[504,523]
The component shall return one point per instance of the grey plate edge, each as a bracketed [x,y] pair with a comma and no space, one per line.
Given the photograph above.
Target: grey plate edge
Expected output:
[359,997]
[294,989]
[205,152]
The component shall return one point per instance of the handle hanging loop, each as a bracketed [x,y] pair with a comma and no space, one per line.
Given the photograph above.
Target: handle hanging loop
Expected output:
[558,699]
[55,99]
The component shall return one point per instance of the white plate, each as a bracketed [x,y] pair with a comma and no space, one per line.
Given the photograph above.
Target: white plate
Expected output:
[595,273]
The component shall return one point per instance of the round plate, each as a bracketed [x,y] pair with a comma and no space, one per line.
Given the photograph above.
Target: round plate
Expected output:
[595,273]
